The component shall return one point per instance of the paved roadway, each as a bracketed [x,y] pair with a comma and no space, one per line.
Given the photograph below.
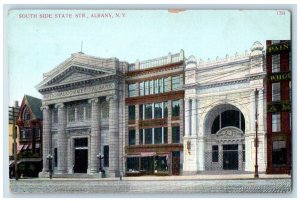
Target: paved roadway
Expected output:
[56,186]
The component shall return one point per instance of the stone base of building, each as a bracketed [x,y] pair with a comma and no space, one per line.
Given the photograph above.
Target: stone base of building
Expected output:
[189,172]
[44,174]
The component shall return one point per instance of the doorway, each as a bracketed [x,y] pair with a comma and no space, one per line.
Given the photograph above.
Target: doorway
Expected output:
[230,157]
[81,155]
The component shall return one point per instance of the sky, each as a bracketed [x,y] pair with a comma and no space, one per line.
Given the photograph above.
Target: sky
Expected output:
[38,43]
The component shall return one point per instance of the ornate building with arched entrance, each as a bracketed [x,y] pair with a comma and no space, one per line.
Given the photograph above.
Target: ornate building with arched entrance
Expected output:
[220,105]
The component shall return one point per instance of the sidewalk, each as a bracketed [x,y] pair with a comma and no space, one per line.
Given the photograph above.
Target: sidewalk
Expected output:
[175,178]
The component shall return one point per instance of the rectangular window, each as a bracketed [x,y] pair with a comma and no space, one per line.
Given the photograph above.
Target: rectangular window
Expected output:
[175,134]
[165,135]
[155,86]
[131,137]
[275,91]
[276,123]
[175,83]
[275,63]
[158,110]
[131,112]
[148,111]
[141,136]
[142,89]
[175,108]
[55,157]
[161,85]
[157,135]
[131,90]
[166,84]
[141,112]
[106,156]
[146,87]
[165,109]
[278,153]
[215,153]
[151,87]
[148,136]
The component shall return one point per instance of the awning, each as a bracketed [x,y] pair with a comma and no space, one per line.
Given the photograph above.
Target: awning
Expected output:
[26,147]
[146,154]
[20,147]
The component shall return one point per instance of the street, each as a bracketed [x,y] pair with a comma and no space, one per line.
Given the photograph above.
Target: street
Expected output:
[114,186]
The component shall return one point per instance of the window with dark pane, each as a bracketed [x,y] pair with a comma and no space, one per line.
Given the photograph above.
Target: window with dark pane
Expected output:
[175,134]
[148,111]
[175,108]
[215,153]
[106,156]
[131,137]
[157,135]
[131,112]
[141,137]
[165,135]
[165,109]
[148,136]
[158,110]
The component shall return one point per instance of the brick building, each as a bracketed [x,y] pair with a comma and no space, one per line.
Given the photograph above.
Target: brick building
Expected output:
[154,116]
[279,97]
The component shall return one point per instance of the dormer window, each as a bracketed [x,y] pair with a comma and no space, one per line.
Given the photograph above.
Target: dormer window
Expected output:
[26,114]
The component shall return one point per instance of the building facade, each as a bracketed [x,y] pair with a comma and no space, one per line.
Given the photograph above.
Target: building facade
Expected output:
[30,127]
[83,103]
[279,97]
[154,116]
[220,112]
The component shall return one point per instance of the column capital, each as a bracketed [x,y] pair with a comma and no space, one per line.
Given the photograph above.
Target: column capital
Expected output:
[96,100]
[59,105]
[111,97]
[44,107]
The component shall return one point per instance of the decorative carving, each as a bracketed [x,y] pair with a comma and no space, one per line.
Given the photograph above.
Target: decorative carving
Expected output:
[44,107]
[96,100]
[229,133]
[59,105]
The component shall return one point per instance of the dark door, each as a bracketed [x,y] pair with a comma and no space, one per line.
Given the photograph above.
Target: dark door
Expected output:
[230,157]
[81,161]
[176,163]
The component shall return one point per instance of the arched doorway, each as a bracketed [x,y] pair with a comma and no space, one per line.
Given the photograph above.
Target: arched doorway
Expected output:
[224,128]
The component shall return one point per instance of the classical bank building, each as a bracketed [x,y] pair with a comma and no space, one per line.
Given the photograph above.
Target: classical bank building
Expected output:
[220,113]
[83,108]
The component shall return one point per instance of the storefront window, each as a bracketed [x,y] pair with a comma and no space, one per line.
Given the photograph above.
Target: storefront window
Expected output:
[175,134]
[148,111]
[276,123]
[148,136]
[131,137]
[158,110]
[278,153]
[133,164]
[131,112]
[161,164]
[175,108]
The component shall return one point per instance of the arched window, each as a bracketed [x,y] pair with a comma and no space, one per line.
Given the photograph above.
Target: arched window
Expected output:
[228,118]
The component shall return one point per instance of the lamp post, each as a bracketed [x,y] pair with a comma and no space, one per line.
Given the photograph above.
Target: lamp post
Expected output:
[100,157]
[49,158]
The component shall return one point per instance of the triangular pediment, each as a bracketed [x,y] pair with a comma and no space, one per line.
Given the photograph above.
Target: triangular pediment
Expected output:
[79,67]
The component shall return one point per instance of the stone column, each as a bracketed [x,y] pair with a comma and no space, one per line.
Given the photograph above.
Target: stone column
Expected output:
[113,136]
[70,155]
[194,117]
[220,156]
[240,156]
[95,134]
[252,103]
[261,110]
[61,140]
[46,136]
[187,117]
